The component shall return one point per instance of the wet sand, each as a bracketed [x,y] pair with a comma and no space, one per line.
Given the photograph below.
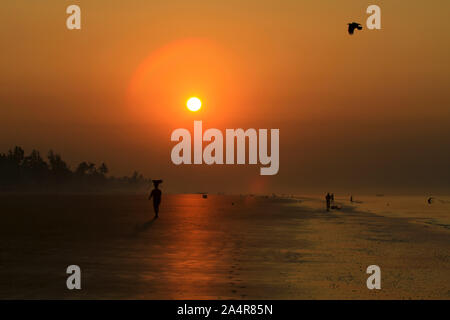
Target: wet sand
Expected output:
[258,248]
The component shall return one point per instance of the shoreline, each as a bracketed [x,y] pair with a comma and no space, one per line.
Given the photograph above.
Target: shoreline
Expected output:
[223,247]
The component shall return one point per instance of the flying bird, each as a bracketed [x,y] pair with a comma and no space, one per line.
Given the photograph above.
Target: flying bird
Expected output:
[352,26]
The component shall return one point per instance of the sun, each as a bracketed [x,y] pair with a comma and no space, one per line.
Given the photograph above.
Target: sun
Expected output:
[194,104]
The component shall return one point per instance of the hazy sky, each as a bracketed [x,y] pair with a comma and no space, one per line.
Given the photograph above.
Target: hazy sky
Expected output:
[362,113]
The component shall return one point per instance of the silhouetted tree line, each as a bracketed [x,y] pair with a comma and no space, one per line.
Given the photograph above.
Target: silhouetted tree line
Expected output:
[20,172]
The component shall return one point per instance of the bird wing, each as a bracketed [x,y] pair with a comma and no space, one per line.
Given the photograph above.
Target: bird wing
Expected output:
[350,29]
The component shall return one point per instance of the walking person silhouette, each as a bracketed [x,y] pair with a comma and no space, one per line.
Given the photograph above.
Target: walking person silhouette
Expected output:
[328,200]
[156,195]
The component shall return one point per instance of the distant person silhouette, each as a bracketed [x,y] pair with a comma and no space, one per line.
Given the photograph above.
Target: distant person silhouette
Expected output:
[352,26]
[156,195]
[328,200]
[351,198]
[332,198]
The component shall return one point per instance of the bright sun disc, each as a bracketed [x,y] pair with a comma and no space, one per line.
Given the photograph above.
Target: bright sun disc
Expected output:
[194,104]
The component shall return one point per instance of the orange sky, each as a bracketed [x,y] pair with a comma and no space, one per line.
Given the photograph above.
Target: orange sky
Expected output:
[369,112]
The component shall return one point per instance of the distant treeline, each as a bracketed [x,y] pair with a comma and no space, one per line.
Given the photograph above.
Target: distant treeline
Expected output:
[32,173]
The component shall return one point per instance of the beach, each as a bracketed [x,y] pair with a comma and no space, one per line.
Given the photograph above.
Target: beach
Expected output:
[223,247]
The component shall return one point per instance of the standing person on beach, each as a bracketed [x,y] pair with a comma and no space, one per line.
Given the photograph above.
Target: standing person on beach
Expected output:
[156,195]
[328,200]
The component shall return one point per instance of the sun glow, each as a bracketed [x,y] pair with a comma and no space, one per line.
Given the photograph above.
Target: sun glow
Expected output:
[194,104]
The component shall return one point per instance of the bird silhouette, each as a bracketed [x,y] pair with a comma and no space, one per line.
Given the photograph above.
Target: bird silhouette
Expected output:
[352,26]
